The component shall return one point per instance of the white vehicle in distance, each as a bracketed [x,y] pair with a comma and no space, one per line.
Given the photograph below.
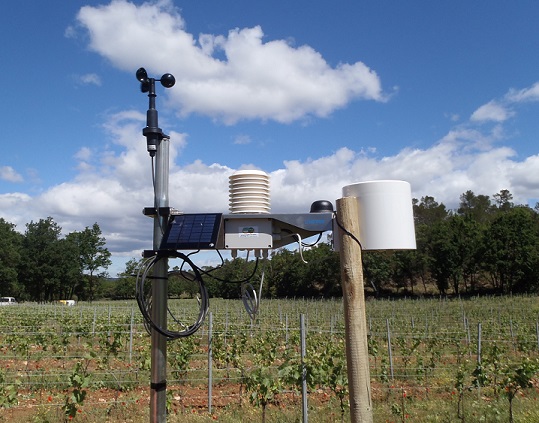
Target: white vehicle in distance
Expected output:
[5,301]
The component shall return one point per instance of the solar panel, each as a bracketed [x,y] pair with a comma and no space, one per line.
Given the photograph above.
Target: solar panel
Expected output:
[192,232]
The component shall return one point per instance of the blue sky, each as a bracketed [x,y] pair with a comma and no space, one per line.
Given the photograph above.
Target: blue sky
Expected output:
[319,94]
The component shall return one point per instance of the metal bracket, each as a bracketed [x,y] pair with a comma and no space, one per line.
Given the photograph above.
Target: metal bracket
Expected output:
[161,211]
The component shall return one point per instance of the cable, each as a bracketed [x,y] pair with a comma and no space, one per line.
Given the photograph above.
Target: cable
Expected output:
[208,273]
[250,300]
[350,234]
[260,287]
[144,299]
[193,275]
[154,191]
[315,242]
[139,291]
[301,244]
[300,249]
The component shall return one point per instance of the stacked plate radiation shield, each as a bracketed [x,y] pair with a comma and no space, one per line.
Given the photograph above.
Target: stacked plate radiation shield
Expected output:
[249,192]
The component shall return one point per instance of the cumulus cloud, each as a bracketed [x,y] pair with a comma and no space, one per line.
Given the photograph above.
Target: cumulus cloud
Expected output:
[84,154]
[7,173]
[492,111]
[228,77]
[15,199]
[500,110]
[241,75]
[526,94]
[117,187]
[116,183]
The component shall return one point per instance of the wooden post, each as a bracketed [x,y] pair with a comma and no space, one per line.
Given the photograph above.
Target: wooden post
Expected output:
[357,352]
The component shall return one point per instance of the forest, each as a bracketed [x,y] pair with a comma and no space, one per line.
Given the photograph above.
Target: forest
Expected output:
[487,245]
[43,265]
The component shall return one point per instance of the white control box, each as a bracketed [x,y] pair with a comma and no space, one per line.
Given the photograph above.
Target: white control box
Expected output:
[248,234]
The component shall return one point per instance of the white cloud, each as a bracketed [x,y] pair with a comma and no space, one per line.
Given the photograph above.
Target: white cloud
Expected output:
[90,79]
[492,111]
[526,94]
[70,32]
[242,139]
[243,76]
[525,177]
[7,173]
[500,110]
[255,80]
[12,199]
[117,187]
[84,154]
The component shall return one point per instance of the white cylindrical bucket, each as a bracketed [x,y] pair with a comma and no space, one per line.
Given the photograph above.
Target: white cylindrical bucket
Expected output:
[249,192]
[386,218]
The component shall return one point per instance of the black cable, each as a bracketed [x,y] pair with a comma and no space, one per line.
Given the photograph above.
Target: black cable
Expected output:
[208,273]
[145,304]
[154,190]
[144,299]
[304,244]
[350,234]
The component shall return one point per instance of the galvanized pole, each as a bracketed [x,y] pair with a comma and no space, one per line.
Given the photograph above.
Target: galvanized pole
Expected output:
[304,409]
[158,147]
[158,384]
[210,362]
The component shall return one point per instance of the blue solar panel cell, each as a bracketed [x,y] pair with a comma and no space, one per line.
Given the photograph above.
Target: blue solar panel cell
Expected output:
[192,232]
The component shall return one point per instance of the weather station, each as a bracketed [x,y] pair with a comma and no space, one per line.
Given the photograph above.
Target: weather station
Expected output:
[373,215]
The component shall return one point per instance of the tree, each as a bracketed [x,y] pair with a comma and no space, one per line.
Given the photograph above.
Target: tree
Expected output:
[409,267]
[469,234]
[445,263]
[503,200]
[225,281]
[429,211]
[182,283]
[428,215]
[39,268]
[124,287]
[10,256]
[378,268]
[477,208]
[453,249]
[511,250]
[422,254]
[322,273]
[285,274]
[69,269]
[93,254]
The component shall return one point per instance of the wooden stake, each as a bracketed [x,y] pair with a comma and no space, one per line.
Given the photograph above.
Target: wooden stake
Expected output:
[357,351]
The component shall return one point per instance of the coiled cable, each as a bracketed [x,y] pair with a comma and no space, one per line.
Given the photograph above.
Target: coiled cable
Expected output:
[144,298]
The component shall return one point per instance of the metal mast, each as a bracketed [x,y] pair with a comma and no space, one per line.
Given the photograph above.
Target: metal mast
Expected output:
[158,147]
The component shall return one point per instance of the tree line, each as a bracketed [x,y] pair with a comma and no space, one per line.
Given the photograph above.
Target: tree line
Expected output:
[486,245]
[42,265]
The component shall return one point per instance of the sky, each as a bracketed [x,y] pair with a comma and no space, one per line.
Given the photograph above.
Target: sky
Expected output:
[318,94]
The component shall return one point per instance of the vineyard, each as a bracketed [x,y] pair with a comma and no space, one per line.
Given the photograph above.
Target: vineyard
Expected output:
[432,360]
